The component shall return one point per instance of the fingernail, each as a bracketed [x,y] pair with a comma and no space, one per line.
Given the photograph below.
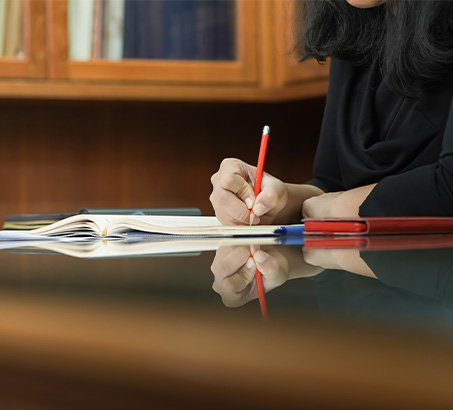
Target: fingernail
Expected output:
[254,220]
[260,256]
[259,209]
[249,202]
[250,264]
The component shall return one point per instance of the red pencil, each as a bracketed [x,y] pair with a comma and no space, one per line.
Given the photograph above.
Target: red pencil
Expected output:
[257,189]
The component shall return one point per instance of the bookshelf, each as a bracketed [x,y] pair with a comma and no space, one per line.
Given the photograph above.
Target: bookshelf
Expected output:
[260,69]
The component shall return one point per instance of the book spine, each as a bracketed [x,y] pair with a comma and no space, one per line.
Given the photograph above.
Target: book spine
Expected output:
[189,43]
[207,29]
[140,28]
[153,26]
[97,29]
[113,29]
[130,32]
[2,26]
[172,34]
[14,28]
[81,15]
[224,30]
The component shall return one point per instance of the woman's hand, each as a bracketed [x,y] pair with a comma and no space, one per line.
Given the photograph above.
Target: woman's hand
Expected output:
[343,204]
[232,195]
[321,206]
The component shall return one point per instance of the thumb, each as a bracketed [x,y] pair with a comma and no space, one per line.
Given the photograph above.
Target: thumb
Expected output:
[265,201]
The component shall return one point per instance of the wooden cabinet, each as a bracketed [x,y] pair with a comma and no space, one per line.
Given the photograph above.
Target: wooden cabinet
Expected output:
[261,71]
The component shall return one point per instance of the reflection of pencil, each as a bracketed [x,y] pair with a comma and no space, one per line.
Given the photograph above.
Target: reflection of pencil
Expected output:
[257,189]
[261,294]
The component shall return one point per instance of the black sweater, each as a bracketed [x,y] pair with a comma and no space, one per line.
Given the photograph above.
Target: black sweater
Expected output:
[370,134]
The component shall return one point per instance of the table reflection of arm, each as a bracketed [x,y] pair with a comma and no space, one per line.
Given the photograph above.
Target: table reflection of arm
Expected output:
[234,270]
[349,260]
[424,272]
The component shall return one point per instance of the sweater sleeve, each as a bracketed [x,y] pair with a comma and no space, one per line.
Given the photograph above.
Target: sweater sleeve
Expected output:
[326,169]
[423,191]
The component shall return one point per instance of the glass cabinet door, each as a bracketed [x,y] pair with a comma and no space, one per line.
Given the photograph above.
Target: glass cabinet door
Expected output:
[157,29]
[22,41]
[157,40]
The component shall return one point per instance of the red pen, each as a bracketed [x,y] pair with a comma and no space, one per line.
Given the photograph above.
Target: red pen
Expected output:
[257,189]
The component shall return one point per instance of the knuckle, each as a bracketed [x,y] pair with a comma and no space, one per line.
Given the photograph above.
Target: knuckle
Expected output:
[213,198]
[227,181]
[214,178]
[226,162]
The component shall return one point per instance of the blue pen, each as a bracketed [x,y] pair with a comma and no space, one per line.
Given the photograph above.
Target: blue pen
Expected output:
[290,230]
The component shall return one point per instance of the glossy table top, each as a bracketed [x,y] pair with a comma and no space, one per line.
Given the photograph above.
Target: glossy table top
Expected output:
[370,318]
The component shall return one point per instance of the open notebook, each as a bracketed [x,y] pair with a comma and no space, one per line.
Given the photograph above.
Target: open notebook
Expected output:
[110,226]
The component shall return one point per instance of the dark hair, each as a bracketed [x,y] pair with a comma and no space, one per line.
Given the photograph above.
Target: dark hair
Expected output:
[411,40]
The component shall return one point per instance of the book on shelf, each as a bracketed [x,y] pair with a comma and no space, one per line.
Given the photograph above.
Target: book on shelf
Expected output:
[151,43]
[80,29]
[144,29]
[96,49]
[225,31]
[113,29]
[13,29]
[2,26]
[131,31]
[179,29]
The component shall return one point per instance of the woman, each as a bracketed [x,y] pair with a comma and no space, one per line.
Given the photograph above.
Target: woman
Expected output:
[385,147]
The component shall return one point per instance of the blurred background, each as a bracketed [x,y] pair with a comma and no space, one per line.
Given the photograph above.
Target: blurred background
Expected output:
[134,103]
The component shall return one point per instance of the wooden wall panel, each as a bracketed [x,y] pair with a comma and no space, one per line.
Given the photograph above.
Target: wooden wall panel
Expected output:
[62,156]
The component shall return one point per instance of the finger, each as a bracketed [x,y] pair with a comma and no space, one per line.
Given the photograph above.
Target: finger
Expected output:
[229,209]
[236,184]
[235,176]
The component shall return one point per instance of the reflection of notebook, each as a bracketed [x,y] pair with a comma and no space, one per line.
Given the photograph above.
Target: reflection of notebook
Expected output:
[378,225]
[174,246]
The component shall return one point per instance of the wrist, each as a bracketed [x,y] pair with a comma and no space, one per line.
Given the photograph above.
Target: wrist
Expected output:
[296,195]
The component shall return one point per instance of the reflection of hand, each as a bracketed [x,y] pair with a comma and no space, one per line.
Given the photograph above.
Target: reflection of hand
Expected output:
[343,259]
[234,273]
[232,194]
